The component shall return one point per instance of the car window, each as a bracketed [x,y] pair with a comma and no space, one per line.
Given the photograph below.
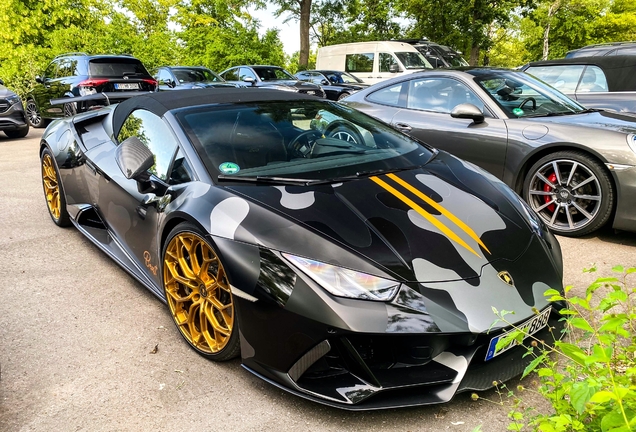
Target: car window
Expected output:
[51,71]
[592,81]
[230,75]
[303,76]
[164,77]
[440,95]
[386,60]
[67,68]
[246,73]
[413,60]
[388,95]
[116,67]
[272,73]
[156,135]
[562,78]
[317,78]
[626,51]
[181,171]
[359,62]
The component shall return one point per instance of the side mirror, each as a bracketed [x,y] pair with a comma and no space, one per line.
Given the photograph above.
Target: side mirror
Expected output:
[170,83]
[134,159]
[394,68]
[468,111]
[38,79]
[249,80]
[324,82]
[1,82]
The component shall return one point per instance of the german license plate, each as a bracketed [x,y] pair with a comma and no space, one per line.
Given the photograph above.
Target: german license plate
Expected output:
[529,327]
[126,86]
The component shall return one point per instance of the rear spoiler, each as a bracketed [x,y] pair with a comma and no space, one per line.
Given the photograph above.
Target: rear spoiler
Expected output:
[107,97]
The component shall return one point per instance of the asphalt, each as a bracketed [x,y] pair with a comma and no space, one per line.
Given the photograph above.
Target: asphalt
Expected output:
[78,338]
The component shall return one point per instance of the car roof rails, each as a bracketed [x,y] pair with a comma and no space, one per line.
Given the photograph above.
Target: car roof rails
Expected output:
[69,54]
[607,44]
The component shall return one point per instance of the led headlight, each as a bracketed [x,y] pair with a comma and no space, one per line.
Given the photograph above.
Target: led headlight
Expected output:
[13,99]
[343,282]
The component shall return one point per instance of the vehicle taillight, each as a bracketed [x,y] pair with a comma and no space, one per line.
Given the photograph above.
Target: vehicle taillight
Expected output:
[92,82]
[151,81]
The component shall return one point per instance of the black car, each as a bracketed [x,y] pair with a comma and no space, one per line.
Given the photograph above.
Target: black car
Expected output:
[595,82]
[576,167]
[360,275]
[188,77]
[270,76]
[605,49]
[79,74]
[336,84]
[12,118]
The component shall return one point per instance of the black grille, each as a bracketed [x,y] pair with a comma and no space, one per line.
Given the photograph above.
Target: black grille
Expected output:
[4,105]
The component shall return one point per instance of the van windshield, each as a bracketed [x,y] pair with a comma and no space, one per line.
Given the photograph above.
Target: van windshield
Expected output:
[413,60]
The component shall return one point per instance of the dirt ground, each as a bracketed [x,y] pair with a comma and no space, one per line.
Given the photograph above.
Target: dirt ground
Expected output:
[77,336]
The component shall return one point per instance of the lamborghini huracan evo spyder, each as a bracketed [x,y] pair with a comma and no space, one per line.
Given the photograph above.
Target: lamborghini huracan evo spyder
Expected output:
[346,262]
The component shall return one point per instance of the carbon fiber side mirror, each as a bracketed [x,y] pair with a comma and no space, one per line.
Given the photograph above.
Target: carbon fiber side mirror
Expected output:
[134,159]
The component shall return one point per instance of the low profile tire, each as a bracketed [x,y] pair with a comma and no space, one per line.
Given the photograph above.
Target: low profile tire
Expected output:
[34,118]
[345,133]
[17,133]
[198,294]
[53,193]
[343,95]
[70,109]
[571,191]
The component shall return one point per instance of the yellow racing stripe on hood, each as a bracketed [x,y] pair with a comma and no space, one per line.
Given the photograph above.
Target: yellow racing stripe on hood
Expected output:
[426,215]
[468,230]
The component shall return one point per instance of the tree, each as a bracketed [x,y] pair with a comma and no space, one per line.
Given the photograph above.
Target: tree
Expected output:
[299,10]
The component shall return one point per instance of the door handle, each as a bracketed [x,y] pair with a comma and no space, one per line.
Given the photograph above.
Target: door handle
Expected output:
[403,127]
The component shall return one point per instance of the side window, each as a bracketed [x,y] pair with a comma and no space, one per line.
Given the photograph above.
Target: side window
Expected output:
[440,95]
[245,73]
[359,62]
[593,80]
[156,135]
[386,60]
[317,78]
[303,76]
[231,75]
[626,51]
[51,71]
[562,78]
[388,95]
[181,171]
[164,76]
[66,68]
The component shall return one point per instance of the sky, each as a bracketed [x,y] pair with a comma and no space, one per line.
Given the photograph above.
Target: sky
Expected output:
[289,33]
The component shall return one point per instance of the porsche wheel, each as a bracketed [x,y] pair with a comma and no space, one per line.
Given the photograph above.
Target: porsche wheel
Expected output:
[70,109]
[198,294]
[55,199]
[571,192]
[33,115]
[342,95]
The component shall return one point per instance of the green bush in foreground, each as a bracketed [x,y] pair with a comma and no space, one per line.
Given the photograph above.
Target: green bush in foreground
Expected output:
[589,376]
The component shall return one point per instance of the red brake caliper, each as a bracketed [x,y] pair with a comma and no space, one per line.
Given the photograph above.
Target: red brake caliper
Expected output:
[548,188]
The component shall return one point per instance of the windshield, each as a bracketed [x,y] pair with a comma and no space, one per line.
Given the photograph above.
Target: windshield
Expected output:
[413,60]
[342,77]
[116,67]
[298,139]
[521,95]
[195,75]
[454,60]
[272,74]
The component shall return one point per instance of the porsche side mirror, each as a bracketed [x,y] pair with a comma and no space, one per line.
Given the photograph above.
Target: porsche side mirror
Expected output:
[38,79]
[394,68]
[468,111]
[134,159]
[249,80]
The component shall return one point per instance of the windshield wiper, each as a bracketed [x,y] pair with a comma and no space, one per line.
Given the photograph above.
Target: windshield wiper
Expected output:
[367,173]
[265,180]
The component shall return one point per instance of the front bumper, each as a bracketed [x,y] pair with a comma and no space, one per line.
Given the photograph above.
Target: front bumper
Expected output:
[13,118]
[625,216]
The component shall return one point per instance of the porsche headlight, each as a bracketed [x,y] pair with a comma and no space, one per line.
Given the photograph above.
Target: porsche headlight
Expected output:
[343,282]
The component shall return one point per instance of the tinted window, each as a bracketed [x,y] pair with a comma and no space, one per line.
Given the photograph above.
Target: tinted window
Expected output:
[303,76]
[359,62]
[593,80]
[67,68]
[440,95]
[386,60]
[231,75]
[562,78]
[246,73]
[388,95]
[156,135]
[317,78]
[116,67]
[626,51]
[413,60]
[272,73]
[51,71]
[181,171]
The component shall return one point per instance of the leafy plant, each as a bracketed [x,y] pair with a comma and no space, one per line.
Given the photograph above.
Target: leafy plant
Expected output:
[589,375]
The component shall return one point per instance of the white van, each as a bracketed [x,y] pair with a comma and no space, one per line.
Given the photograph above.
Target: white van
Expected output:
[372,62]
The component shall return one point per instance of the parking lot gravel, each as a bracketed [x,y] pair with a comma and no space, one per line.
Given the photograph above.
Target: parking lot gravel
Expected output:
[84,347]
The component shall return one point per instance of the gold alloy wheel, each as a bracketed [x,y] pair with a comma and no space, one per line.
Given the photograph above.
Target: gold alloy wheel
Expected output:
[51,187]
[198,293]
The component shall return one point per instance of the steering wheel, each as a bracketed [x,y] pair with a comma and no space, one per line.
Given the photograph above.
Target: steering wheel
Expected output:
[302,145]
[344,132]
[529,99]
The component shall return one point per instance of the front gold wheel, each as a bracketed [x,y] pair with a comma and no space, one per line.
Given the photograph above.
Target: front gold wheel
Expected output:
[199,295]
[55,200]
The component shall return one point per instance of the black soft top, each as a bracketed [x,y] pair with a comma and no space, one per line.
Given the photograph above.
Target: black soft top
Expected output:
[161,102]
[620,71]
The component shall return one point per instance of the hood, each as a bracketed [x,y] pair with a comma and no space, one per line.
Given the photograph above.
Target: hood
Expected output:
[210,84]
[606,120]
[357,87]
[291,83]
[5,92]
[442,222]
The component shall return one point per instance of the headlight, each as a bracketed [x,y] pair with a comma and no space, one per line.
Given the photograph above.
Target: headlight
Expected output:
[631,142]
[285,88]
[343,282]
[13,99]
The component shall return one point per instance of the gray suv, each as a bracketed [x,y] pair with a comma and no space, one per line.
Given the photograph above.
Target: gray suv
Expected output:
[12,118]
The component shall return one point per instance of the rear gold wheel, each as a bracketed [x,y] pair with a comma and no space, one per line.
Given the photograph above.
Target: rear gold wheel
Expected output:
[55,200]
[199,295]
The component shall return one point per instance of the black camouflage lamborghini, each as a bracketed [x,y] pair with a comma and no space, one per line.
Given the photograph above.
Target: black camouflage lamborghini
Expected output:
[344,261]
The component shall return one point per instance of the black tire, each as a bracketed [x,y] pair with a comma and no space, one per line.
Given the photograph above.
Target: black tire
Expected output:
[53,190]
[17,133]
[345,132]
[342,95]
[578,201]
[187,241]
[34,118]
[70,109]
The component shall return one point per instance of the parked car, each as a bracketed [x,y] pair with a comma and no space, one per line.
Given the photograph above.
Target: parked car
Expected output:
[372,61]
[358,275]
[274,77]
[595,82]
[78,74]
[575,167]
[188,77]
[605,49]
[439,56]
[12,118]
[337,85]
